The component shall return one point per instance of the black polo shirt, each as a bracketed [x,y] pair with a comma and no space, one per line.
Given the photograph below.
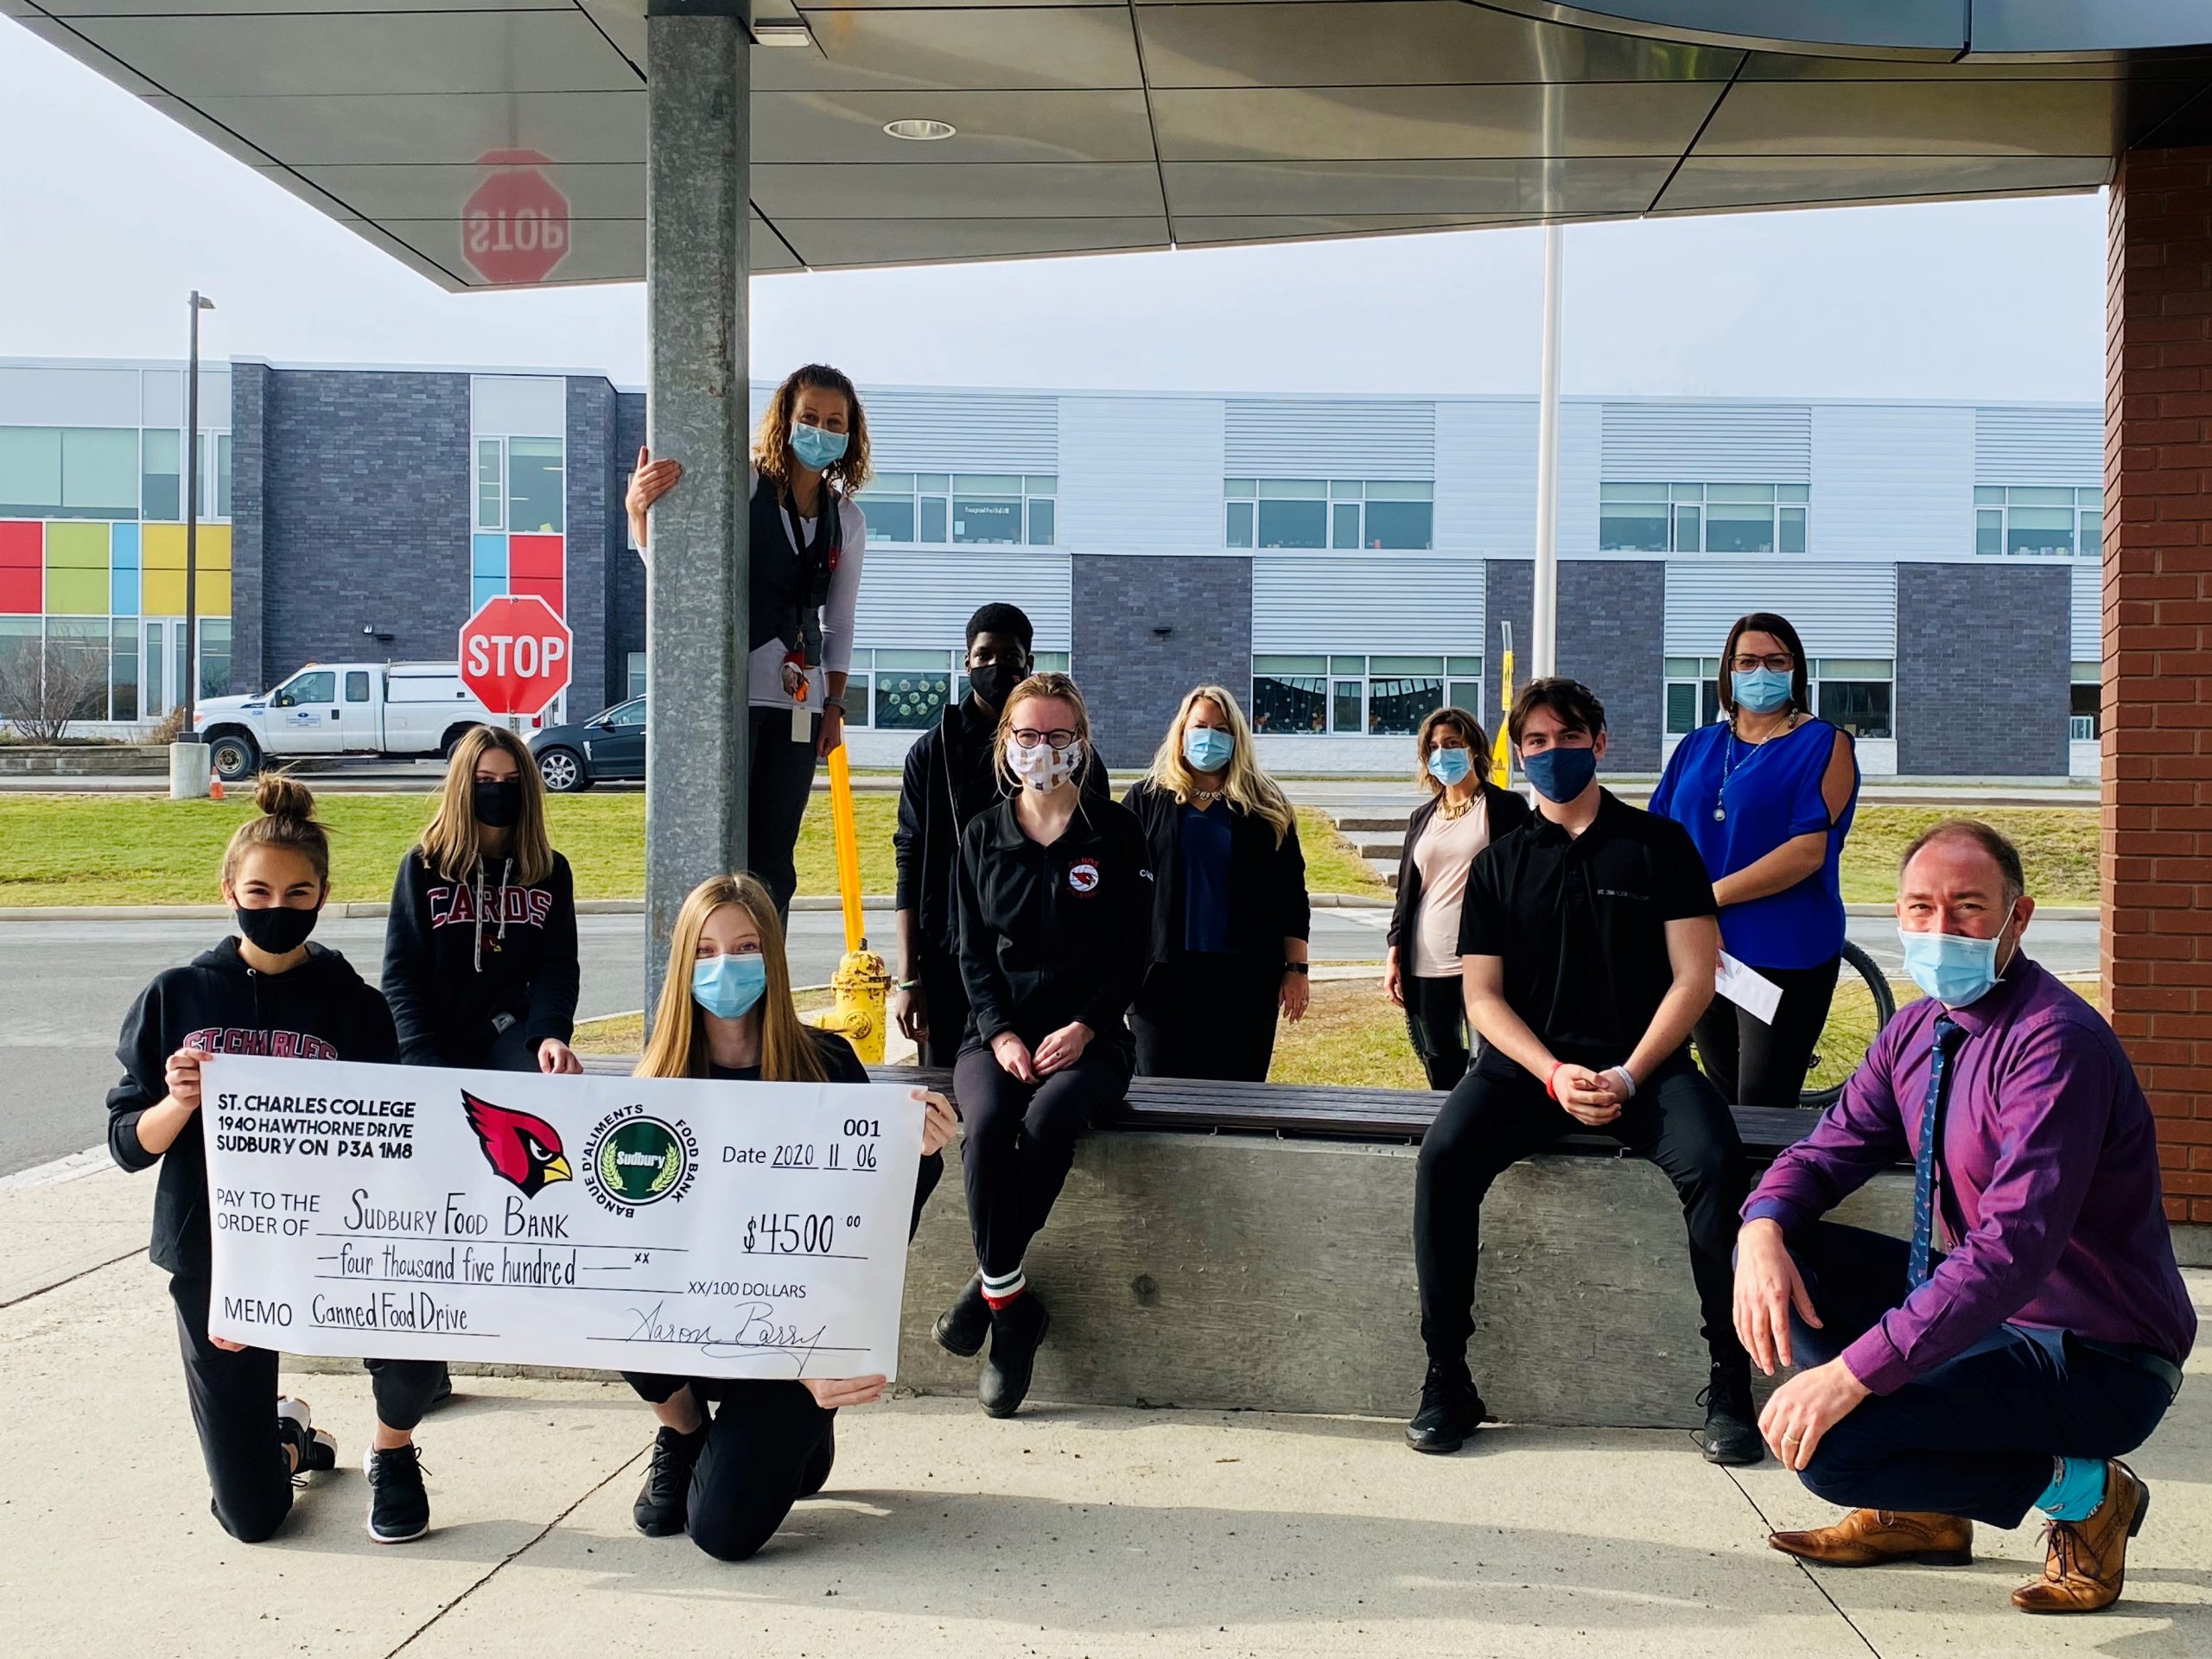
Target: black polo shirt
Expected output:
[1052,934]
[1581,924]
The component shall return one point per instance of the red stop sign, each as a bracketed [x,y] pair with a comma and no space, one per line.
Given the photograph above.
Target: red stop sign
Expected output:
[514,654]
[515,224]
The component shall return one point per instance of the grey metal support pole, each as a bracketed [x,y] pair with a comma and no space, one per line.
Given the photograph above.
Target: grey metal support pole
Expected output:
[697,184]
[1543,642]
[191,521]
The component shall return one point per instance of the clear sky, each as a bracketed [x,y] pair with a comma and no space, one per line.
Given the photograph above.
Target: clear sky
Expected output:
[110,214]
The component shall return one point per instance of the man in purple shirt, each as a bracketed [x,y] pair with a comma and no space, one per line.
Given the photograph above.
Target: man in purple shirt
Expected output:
[2032,1330]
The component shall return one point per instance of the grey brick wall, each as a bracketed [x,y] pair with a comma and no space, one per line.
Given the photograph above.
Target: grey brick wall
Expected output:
[593,502]
[249,464]
[1134,676]
[1984,654]
[625,571]
[1612,637]
[365,514]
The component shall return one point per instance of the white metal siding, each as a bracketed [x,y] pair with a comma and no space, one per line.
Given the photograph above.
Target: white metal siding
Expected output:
[2088,610]
[1838,608]
[1703,444]
[1320,437]
[917,600]
[956,431]
[1486,478]
[517,405]
[1893,479]
[66,397]
[1581,449]
[1141,476]
[2061,448]
[1372,601]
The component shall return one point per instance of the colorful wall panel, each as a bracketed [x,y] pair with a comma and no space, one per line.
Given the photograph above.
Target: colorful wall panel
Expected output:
[23,567]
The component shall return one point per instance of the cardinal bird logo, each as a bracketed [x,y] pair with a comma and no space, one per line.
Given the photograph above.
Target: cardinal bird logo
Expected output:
[520,1149]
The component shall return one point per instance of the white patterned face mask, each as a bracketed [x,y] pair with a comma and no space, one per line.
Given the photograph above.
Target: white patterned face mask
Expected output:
[1040,766]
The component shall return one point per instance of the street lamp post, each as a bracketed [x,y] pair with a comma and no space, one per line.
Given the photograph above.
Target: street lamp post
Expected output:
[188,775]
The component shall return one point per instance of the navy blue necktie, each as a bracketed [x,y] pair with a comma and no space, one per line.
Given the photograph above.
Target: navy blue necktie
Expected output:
[1947,1033]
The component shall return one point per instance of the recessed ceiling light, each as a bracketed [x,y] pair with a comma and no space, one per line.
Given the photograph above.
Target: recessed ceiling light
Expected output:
[920,131]
[791,32]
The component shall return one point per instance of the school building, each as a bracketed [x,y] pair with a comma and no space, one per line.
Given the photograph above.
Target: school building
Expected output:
[1349,563]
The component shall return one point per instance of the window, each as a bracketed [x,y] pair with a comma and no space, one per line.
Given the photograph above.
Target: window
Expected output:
[1295,512]
[973,509]
[69,472]
[1693,694]
[316,685]
[160,481]
[912,687]
[77,664]
[1376,697]
[1290,693]
[357,685]
[1703,517]
[215,658]
[632,713]
[534,486]
[212,452]
[2084,703]
[2037,523]
[1854,694]
[124,692]
[637,673]
[491,484]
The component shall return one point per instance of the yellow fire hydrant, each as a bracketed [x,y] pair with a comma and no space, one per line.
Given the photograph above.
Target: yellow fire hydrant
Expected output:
[861,983]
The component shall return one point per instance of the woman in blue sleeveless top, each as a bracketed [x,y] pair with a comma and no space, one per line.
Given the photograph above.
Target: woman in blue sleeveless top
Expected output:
[1768,794]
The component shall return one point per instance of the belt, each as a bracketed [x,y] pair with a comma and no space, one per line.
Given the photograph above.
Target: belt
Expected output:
[2143,1359]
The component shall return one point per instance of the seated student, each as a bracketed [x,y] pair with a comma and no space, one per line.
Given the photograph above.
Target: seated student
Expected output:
[726,1012]
[1588,945]
[268,991]
[2013,1367]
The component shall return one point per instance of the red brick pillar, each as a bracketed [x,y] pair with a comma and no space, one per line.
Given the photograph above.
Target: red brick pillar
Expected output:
[2157,859]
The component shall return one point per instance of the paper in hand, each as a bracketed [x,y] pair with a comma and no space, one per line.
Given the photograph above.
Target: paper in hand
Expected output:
[1749,990]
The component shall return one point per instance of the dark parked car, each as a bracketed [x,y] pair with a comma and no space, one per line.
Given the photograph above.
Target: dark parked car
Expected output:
[609,747]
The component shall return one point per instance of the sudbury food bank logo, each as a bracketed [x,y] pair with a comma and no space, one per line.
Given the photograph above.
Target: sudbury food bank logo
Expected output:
[635,1158]
[520,1149]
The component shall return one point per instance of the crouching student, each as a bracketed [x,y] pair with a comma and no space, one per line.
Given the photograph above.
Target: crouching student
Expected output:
[266,991]
[734,1454]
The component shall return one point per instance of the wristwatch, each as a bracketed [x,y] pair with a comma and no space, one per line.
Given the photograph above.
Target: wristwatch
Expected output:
[1298,967]
[838,703]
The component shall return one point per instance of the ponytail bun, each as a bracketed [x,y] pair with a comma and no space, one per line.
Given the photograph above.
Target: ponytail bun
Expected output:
[287,821]
[283,796]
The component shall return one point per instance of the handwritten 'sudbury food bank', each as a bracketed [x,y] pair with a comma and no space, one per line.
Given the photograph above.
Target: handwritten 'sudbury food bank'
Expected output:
[713,1229]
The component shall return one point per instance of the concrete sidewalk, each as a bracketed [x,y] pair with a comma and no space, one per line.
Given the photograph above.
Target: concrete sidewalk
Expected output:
[1065,1532]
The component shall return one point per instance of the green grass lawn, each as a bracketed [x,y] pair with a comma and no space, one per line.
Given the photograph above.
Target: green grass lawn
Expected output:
[108,849]
[2058,850]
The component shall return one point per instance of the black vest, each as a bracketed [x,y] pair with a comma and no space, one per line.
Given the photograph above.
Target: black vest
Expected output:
[791,582]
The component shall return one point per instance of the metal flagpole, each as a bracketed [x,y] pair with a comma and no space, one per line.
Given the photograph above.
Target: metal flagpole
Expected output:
[1543,644]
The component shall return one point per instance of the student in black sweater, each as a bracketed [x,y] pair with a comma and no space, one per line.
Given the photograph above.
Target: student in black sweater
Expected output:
[267,992]
[479,954]
[1055,910]
[1229,917]
[726,1012]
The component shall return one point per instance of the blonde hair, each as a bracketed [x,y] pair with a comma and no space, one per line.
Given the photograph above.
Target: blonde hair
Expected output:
[1467,726]
[1246,786]
[678,1048]
[1047,686]
[453,841]
[287,822]
[771,439]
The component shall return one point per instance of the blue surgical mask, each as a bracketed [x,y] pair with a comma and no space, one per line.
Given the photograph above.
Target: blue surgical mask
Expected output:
[1450,766]
[1207,747]
[727,987]
[1559,774]
[815,447]
[1952,968]
[1762,690]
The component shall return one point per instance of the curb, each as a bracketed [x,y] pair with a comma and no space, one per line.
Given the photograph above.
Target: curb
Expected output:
[367,911]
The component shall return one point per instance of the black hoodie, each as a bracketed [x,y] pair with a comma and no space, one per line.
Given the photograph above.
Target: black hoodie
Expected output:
[321,1010]
[458,953]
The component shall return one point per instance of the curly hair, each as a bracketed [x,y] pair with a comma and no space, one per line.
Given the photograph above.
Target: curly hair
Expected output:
[771,439]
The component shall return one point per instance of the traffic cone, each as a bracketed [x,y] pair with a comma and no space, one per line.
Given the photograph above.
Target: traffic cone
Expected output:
[214,785]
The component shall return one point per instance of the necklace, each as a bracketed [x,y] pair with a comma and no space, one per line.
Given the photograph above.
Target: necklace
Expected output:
[1450,813]
[1206,794]
[1728,763]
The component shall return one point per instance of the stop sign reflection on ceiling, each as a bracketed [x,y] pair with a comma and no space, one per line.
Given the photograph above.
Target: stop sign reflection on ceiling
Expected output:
[515,224]
[515,654]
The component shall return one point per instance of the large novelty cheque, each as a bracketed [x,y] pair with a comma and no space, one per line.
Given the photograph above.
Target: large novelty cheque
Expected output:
[704,1228]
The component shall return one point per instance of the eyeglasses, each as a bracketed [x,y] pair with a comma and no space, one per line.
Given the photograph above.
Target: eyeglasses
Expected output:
[1781,662]
[1029,738]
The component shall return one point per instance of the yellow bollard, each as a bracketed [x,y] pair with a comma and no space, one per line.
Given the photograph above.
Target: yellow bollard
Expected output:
[862,984]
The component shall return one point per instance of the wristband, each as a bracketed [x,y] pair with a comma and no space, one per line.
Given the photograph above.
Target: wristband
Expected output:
[906,984]
[1552,1077]
[1628,1078]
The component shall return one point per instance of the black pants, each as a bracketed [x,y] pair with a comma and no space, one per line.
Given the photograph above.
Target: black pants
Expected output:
[233,1398]
[1754,1063]
[1209,1014]
[782,776]
[1021,1139]
[945,994]
[1976,1436]
[768,1445]
[1489,1123]
[1436,1019]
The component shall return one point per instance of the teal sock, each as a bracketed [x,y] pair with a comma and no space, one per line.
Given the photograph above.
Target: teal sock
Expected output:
[2077,1486]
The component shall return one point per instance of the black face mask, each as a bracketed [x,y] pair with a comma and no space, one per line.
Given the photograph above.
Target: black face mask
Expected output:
[496,806]
[995,682]
[279,930]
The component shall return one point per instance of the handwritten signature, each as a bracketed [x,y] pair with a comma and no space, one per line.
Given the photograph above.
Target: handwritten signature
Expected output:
[757,1331]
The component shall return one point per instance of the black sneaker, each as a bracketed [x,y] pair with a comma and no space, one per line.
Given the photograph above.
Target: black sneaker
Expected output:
[1017,1329]
[664,1501]
[1450,1410]
[1731,1427]
[314,1452]
[817,1466]
[961,1327]
[399,1509]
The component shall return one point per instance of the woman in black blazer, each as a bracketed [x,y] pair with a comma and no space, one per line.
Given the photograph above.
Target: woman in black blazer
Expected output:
[1465,812]
[1229,915]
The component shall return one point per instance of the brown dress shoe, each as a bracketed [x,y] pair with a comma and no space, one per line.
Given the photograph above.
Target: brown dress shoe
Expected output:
[1878,1537]
[2085,1563]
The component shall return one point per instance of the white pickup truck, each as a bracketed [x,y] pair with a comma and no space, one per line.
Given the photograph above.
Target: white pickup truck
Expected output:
[396,709]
